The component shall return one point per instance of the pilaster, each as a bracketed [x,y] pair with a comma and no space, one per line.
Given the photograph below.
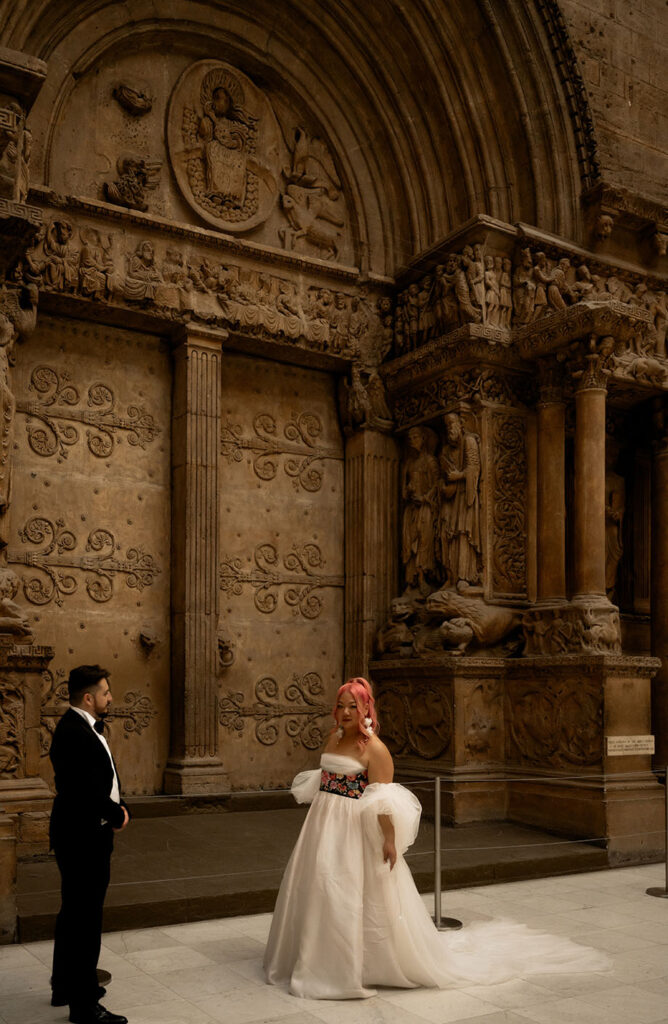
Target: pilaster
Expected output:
[194,764]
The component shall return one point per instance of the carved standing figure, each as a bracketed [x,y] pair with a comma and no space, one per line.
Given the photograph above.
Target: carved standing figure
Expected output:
[459,516]
[492,292]
[506,292]
[418,489]
[226,130]
[524,288]
[15,320]
[615,503]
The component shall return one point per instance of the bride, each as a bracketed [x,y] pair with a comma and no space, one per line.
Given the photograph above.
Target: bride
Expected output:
[348,916]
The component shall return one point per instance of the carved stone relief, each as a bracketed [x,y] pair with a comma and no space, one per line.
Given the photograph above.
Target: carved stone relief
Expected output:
[185,284]
[558,723]
[136,177]
[89,525]
[304,456]
[572,629]
[483,716]
[298,710]
[59,409]
[11,728]
[133,101]
[224,146]
[295,576]
[312,201]
[508,472]
[417,719]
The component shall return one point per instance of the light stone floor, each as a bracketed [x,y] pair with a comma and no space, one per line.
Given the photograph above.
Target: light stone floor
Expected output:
[211,971]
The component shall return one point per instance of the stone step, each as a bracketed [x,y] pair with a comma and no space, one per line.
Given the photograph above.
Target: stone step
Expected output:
[195,866]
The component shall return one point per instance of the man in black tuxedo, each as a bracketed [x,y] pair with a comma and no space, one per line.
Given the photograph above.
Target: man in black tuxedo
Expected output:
[87,810]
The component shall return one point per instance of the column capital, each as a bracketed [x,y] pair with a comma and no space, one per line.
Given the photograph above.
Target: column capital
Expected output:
[193,335]
[591,362]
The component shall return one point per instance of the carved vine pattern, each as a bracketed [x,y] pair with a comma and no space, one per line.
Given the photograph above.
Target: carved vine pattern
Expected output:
[509,474]
[299,579]
[58,409]
[58,564]
[300,445]
[135,713]
[12,715]
[559,724]
[299,708]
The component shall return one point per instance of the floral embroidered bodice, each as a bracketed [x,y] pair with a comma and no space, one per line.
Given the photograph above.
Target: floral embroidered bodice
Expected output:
[344,785]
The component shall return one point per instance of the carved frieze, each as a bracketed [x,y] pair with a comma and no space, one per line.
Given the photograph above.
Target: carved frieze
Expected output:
[572,629]
[12,728]
[486,386]
[223,143]
[297,710]
[557,724]
[60,567]
[304,457]
[296,577]
[192,285]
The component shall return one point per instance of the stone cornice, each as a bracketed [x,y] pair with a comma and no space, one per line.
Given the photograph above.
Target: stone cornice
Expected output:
[615,319]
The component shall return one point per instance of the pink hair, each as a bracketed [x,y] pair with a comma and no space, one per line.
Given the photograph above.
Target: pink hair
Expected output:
[361,690]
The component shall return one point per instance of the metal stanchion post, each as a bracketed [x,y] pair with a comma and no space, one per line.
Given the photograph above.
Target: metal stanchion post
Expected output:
[442,923]
[656,890]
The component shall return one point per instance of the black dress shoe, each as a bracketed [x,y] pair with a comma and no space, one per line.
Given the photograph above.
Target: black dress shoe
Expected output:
[98,1015]
[59,998]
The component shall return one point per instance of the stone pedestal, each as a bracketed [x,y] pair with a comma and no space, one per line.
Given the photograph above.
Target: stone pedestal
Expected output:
[371,541]
[559,713]
[194,765]
[445,717]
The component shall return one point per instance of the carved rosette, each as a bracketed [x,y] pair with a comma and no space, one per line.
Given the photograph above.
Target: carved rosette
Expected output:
[223,142]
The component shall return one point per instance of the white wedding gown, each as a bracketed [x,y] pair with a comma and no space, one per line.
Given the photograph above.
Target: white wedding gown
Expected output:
[344,922]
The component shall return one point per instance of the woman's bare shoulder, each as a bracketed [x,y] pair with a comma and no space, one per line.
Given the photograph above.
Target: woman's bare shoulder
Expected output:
[377,750]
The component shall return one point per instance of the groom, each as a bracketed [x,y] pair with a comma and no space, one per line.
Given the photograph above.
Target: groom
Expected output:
[87,810]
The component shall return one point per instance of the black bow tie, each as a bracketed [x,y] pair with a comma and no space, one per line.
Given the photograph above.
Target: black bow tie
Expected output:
[99,727]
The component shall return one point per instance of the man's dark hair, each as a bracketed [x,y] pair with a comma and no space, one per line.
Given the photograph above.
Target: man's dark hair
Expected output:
[84,679]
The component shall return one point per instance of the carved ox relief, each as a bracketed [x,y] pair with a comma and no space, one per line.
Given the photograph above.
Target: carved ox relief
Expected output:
[59,565]
[557,724]
[299,708]
[299,444]
[59,408]
[267,578]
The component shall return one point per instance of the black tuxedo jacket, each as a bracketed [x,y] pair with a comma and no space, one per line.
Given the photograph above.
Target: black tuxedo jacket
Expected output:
[83,777]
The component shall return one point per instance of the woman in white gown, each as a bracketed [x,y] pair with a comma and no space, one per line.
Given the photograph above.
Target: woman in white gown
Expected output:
[348,916]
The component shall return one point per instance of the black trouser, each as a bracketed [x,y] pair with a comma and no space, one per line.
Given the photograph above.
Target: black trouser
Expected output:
[83,862]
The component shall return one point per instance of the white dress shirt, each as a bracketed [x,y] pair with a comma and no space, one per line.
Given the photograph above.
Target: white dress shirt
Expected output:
[115,793]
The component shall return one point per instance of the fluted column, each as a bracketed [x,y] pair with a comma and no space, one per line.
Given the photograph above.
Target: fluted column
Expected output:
[589,531]
[551,496]
[659,585]
[194,765]
[371,541]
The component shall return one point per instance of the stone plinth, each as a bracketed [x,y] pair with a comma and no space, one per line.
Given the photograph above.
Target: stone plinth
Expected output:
[445,717]
[559,712]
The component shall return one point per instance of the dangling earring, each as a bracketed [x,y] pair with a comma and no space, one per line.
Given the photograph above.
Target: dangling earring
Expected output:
[368,726]
[339,733]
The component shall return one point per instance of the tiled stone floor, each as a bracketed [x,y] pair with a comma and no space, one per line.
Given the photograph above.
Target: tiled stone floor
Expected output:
[210,971]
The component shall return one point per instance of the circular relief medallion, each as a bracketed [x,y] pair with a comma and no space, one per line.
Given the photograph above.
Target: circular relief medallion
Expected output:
[223,143]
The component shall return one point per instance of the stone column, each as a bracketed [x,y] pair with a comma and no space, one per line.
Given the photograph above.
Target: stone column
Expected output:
[194,765]
[371,541]
[551,496]
[7,878]
[589,531]
[659,585]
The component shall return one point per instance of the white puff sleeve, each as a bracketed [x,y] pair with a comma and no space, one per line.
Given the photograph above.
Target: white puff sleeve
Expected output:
[305,785]
[402,806]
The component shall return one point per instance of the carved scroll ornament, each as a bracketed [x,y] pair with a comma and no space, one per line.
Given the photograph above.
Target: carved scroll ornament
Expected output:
[298,579]
[304,457]
[299,709]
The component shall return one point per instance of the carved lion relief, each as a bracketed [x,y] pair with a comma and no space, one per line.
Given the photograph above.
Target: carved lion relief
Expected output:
[223,143]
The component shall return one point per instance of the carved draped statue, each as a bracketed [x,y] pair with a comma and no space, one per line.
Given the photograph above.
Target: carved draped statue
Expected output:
[225,132]
[458,529]
[418,488]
